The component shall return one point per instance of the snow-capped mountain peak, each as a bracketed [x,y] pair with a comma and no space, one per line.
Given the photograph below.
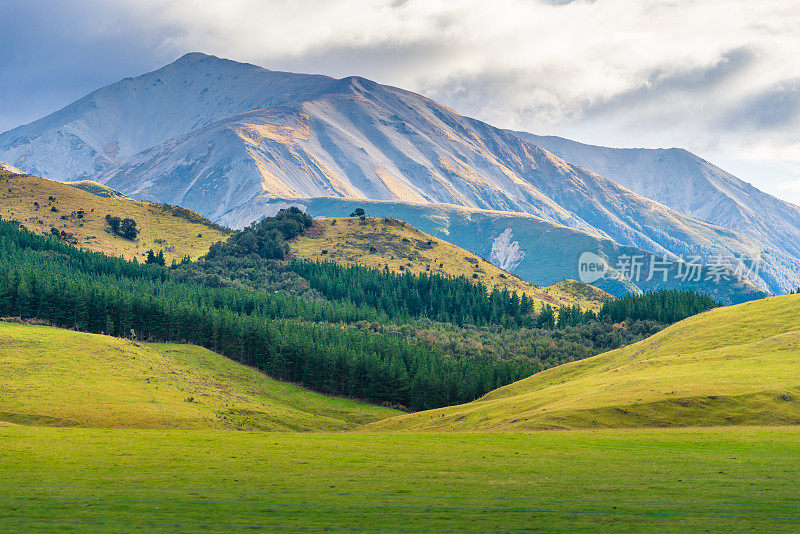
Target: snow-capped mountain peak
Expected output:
[216,135]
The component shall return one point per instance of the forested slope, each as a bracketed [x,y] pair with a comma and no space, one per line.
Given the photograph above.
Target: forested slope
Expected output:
[417,341]
[285,335]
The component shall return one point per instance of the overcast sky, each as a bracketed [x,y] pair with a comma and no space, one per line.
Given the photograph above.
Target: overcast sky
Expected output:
[718,77]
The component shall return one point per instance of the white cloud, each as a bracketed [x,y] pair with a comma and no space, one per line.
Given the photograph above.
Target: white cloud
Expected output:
[719,77]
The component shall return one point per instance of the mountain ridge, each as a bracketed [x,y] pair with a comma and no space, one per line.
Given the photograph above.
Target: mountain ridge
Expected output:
[224,133]
[689,184]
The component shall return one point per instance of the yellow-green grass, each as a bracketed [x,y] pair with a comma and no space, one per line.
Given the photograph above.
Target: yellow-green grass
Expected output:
[160,227]
[56,377]
[738,365]
[97,189]
[666,480]
[381,243]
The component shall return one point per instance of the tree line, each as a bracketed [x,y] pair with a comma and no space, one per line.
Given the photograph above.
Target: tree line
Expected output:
[665,305]
[420,341]
[405,295]
[42,278]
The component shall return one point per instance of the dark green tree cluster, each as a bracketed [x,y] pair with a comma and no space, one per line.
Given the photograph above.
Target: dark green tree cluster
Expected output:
[573,316]
[407,296]
[264,239]
[156,259]
[123,227]
[665,306]
[250,273]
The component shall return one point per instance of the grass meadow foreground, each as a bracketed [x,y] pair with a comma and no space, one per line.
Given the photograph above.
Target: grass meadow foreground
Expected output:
[664,480]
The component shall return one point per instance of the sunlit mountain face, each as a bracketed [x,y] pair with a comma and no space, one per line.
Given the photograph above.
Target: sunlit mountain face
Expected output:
[227,139]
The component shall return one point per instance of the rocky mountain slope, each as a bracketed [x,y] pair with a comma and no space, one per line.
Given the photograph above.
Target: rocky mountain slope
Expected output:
[213,135]
[691,185]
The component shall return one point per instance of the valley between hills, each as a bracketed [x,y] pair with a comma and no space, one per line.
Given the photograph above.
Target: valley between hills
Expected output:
[255,300]
[671,407]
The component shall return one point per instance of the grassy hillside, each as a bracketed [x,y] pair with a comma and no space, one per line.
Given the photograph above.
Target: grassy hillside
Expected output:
[176,231]
[551,252]
[380,243]
[55,377]
[665,481]
[728,366]
[94,188]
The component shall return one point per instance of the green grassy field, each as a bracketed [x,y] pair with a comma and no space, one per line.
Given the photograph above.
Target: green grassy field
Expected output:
[380,243]
[679,480]
[736,365]
[55,377]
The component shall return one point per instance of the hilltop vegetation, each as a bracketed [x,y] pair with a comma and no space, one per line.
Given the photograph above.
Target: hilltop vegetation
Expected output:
[399,247]
[265,239]
[78,216]
[54,377]
[94,188]
[727,366]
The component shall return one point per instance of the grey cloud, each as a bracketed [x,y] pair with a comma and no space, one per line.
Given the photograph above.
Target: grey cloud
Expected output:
[657,85]
[775,109]
[55,52]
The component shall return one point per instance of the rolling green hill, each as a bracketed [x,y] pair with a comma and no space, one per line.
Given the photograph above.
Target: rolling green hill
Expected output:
[80,213]
[728,366]
[394,244]
[55,377]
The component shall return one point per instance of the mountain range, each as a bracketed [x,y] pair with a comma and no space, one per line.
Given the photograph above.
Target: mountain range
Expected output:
[691,185]
[229,140]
